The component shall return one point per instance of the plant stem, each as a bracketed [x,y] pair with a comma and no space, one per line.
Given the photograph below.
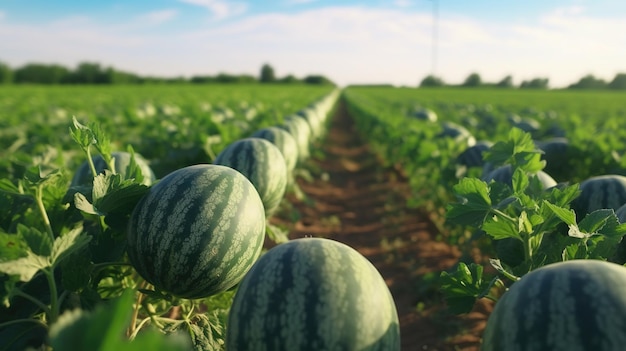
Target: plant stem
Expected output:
[90,161]
[42,211]
[23,320]
[54,296]
[34,300]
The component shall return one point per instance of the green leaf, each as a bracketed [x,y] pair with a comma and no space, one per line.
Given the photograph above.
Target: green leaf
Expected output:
[501,227]
[67,244]
[474,202]
[111,193]
[25,267]
[566,215]
[82,203]
[82,134]
[462,287]
[520,181]
[12,246]
[38,242]
[518,150]
[596,220]
[103,329]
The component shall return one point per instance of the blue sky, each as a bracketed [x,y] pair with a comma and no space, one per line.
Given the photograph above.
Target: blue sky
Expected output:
[348,41]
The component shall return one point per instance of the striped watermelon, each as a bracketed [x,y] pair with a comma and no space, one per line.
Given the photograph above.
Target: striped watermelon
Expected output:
[424,114]
[197,231]
[556,153]
[459,133]
[599,192]
[283,141]
[262,163]
[84,176]
[473,155]
[314,121]
[300,130]
[504,174]
[313,294]
[621,213]
[575,305]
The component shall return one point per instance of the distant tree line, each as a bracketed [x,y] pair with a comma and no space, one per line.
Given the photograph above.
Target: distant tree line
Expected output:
[474,80]
[94,73]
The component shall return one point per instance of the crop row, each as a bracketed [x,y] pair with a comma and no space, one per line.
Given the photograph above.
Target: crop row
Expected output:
[541,192]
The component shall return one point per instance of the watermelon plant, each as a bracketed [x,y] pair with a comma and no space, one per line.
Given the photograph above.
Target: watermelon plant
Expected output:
[313,294]
[572,305]
[197,231]
[524,222]
[263,164]
[119,163]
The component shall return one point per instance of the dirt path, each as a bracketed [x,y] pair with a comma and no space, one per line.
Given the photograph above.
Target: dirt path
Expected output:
[355,201]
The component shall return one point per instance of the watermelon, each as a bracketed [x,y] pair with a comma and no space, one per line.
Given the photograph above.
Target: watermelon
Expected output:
[599,192]
[262,163]
[300,130]
[424,114]
[313,294]
[621,213]
[577,305]
[556,153]
[197,231]
[459,133]
[283,141]
[473,155]
[83,175]
[315,122]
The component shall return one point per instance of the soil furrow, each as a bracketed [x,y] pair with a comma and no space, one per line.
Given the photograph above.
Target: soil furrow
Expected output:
[354,200]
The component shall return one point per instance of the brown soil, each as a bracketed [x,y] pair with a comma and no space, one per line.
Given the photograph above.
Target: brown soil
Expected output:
[351,198]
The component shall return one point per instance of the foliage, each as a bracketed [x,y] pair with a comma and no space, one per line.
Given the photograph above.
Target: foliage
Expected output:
[65,279]
[431,81]
[473,80]
[267,74]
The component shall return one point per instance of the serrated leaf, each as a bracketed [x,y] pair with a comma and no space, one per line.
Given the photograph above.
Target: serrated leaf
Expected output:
[38,242]
[12,247]
[25,267]
[462,287]
[566,215]
[519,181]
[82,203]
[112,193]
[596,220]
[67,244]
[81,134]
[474,202]
[500,227]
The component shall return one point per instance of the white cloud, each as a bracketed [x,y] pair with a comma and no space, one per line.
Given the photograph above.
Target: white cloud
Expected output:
[158,17]
[220,9]
[403,3]
[353,44]
[299,2]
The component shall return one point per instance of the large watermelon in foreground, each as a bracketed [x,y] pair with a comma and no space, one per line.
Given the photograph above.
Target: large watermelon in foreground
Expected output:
[313,294]
[197,231]
[575,305]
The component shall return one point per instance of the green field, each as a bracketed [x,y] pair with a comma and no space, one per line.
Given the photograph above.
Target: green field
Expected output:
[63,245]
